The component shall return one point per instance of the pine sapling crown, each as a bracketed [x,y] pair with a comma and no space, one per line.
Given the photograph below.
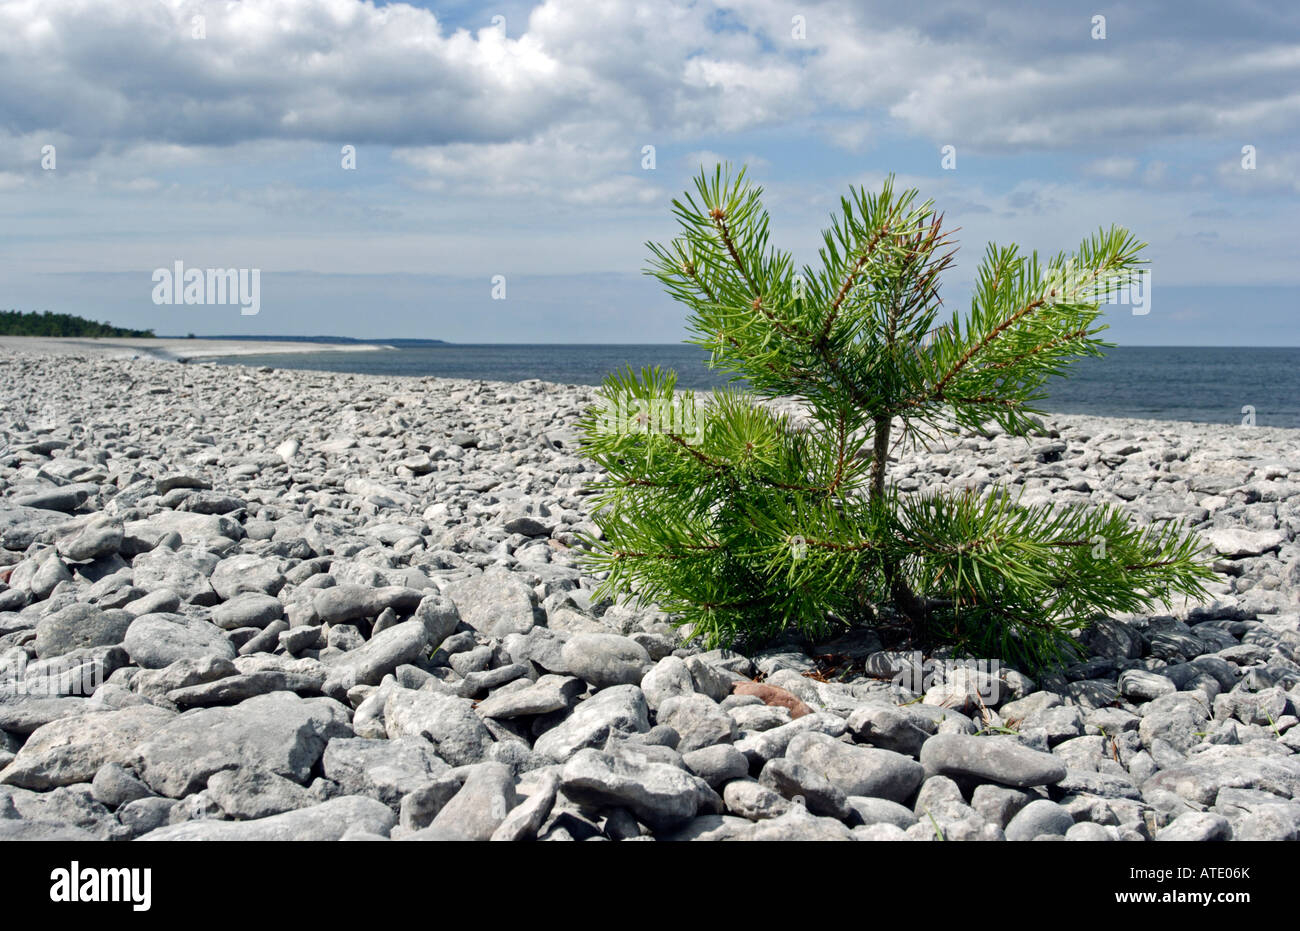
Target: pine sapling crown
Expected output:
[757,521]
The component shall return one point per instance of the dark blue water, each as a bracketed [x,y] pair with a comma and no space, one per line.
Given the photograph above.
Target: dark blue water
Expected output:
[1205,384]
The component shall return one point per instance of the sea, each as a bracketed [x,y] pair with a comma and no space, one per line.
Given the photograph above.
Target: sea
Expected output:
[1205,384]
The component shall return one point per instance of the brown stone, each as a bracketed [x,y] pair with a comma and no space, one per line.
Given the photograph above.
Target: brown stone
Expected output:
[772,695]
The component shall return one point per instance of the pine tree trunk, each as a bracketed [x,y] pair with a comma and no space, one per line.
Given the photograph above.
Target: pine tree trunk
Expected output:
[905,600]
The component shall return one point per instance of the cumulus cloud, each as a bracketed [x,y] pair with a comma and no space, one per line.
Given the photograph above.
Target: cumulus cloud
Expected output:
[396,75]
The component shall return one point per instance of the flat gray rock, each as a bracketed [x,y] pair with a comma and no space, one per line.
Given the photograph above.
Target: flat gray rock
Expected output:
[495,603]
[250,609]
[368,664]
[78,626]
[855,770]
[344,603]
[449,722]
[385,770]
[279,733]
[620,710]
[72,749]
[157,640]
[481,806]
[659,794]
[328,821]
[992,759]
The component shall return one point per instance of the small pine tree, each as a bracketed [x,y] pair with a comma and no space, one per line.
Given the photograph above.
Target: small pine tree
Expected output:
[743,521]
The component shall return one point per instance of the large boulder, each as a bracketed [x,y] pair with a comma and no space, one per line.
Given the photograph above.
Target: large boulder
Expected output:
[157,640]
[659,794]
[496,603]
[72,749]
[447,721]
[992,759]
[278,732]
[328,821]
[80,625]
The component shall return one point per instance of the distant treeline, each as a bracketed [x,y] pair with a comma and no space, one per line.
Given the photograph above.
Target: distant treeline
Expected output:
[18,323]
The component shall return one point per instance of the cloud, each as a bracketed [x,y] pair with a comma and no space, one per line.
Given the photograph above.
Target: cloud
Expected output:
[1019,77]
[1274,173]
[1115,167]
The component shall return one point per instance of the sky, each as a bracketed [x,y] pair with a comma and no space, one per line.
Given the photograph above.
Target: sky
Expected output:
[502,190]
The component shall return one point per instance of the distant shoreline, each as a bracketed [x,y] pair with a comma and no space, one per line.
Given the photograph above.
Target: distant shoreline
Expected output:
[172,349]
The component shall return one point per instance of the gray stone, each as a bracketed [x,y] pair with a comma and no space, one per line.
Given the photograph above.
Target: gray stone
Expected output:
[481,806]
[78,626]
[1196,826]
[382,654]
[186,575]
[114,787]
[248,794]
[794,780]
[246,573]
[888,728]
[549,693]
[604,660]
[383,769]
[669,678]
[157,640]
[146,814]
[766,745]
[297,640]
[618,710]
[713,680]
[526,819]
[659,794]
[495,603]
[749,798]
[1141,686]
[881,831]
[419,807]
[54,499]
[1056,724]
[716,764]
[72,749]
[344,603]
[1176,719]
[25,830]
[882,811]
[1037,818]
[279,733]
[711,828]
[858,770]
[74,806]
[250,609]
[175,480]
[992,759]
[156,683]
[1271,823]
[1200,779]
[26,713]
[101,537]
[439,615]
[1089,832]
[327,821]
[447,721]
[698,721]
[798,824]
[1237,543]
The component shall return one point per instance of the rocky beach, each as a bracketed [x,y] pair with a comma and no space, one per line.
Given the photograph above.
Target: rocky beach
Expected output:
[252,604]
